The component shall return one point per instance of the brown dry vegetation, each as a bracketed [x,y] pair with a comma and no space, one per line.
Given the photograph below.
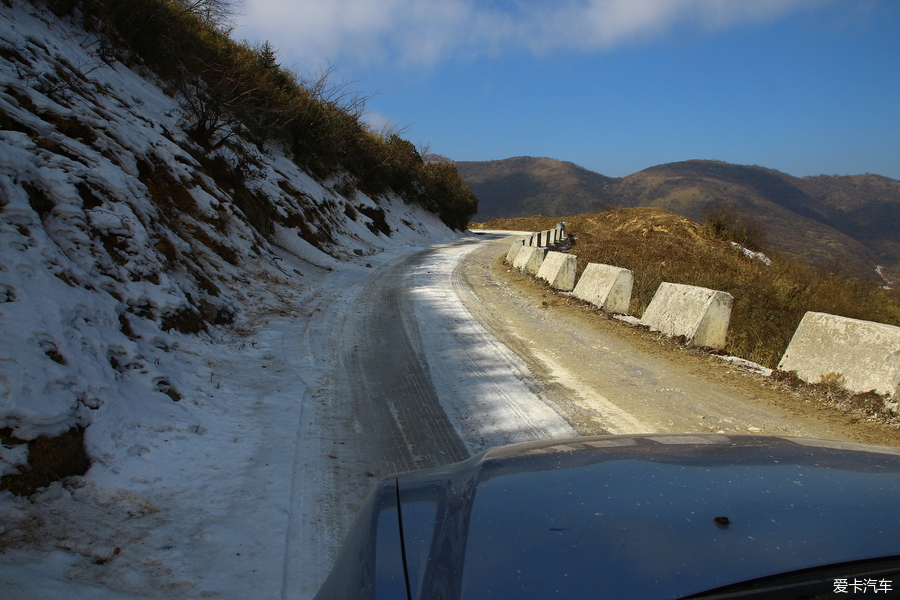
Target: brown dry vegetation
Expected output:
[229,89]
[769,300]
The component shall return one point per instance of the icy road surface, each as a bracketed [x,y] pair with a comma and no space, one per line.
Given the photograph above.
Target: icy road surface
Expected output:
[405,379]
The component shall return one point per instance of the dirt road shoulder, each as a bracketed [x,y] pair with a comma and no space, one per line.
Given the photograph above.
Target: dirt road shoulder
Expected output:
[606,376]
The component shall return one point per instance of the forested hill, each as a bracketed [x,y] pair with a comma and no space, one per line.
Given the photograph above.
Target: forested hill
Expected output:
[845,223]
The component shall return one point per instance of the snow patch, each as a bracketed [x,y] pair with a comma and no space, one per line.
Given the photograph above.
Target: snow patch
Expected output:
[751,254]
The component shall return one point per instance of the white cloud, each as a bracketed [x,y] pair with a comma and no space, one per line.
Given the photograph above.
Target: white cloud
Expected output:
[376,121]
[427,32]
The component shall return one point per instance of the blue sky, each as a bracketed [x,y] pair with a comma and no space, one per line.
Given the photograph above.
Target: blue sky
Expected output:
[616,86]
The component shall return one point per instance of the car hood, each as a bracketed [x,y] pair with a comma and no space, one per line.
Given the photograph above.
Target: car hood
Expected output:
[655,516]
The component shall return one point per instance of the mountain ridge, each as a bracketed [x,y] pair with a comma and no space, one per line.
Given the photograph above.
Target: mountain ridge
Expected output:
[844,224]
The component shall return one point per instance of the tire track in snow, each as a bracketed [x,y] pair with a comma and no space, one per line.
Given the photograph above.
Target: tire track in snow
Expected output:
[399,377]
[370,410]
[307,536]
[488,392]
[396,404]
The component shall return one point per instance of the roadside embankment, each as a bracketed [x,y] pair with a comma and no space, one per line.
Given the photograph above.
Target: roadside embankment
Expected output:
[608,376]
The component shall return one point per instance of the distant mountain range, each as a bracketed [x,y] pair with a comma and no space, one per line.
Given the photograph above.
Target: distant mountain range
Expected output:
[848,224]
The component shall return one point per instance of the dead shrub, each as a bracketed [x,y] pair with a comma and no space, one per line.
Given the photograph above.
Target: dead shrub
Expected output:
[870,403]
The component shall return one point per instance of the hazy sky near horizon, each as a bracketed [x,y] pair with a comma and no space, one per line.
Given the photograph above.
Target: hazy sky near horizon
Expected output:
[616,86]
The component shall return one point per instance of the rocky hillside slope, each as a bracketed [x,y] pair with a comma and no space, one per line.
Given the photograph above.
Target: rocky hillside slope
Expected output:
[121,236]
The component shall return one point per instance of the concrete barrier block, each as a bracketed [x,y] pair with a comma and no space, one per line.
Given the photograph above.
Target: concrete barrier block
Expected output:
[534,262]
[866,354]
[529,259]
[699,314]
[606,287]
[514,250]
[558,269]
[520,259]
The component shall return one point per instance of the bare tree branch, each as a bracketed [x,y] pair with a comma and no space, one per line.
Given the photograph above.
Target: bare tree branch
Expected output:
[213,11]
[338,95]
[423,148]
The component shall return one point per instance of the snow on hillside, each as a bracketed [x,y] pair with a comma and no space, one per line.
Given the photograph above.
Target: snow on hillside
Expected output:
[137,296]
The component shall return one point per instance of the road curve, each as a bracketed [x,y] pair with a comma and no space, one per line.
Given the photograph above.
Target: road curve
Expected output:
[400,377]
[441,353]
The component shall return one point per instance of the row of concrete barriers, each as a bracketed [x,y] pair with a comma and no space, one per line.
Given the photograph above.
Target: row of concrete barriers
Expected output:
[544,239]
[865,354]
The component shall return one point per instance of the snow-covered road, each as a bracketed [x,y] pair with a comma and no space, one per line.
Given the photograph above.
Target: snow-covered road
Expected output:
[404,379]
[247,487]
